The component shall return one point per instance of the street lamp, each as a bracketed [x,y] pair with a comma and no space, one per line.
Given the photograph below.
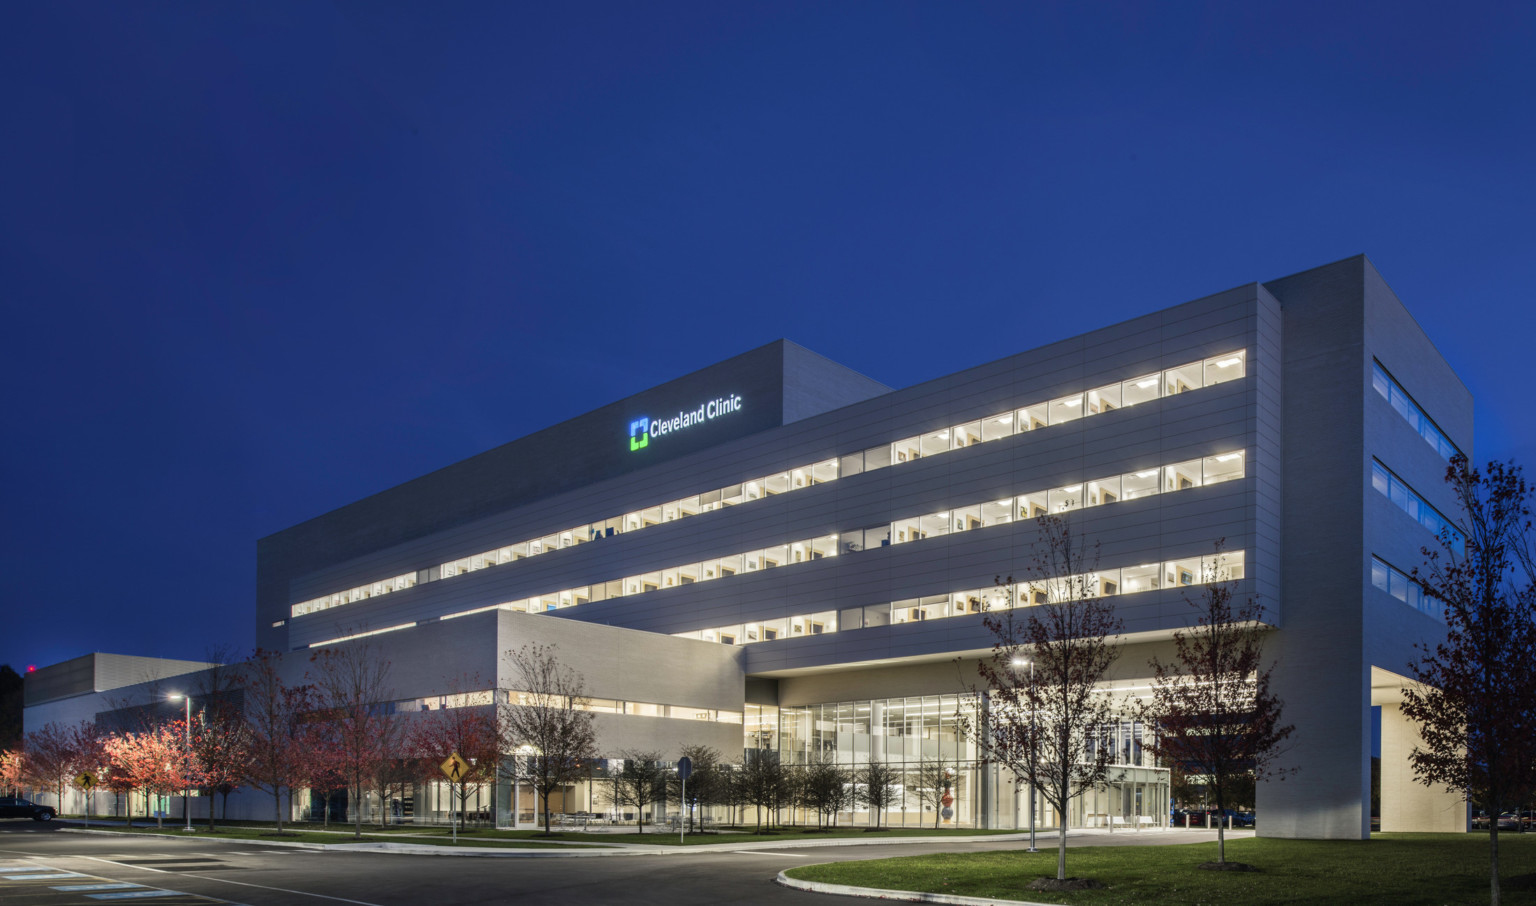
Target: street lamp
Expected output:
[186,793]
[1033,767]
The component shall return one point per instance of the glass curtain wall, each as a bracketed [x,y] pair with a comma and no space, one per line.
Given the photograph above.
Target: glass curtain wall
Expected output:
[917,736]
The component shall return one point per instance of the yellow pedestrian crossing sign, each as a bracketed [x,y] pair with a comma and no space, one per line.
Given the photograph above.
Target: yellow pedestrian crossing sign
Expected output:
[454,767]
[85,780]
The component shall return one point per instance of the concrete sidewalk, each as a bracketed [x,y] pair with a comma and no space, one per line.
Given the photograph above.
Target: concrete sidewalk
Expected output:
[748,843]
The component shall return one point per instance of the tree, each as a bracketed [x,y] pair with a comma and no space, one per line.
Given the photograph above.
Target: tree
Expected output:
[470,733]
[220,738]
[932,780]
[641,781]
[827,789]
[547,722]
[1212,710]
[705,783]
[1474,697]
[11,772]
[154,760]
[1040,722]
[762,783]
[875,786]
[352,689]
[53,759]
[89,747]
[279,746]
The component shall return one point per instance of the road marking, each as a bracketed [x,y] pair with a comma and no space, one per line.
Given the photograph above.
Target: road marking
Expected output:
[302,893]
[127,865]
[137,894]
[753,852]
[115,885]
[51,876]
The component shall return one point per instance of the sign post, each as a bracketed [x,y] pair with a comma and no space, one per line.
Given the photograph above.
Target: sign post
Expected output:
[86,781]
[454,768]
[684,768]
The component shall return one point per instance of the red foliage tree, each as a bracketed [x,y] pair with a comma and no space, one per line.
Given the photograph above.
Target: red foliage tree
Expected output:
[154,760]
[1475,697]
[354,697]
[277,741]
[471,733]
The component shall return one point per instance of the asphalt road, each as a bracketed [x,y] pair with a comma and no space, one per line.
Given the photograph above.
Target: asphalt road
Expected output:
[41,867]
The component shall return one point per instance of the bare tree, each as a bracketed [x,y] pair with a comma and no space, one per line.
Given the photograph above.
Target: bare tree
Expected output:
[763,783]
[353,691]
[1041,702]
[932,780]
[53,757]
[706,784]
[546,716]
[279,743]
[875,786]
[1212,711]
[825,788]
[1475,693]
[641,782]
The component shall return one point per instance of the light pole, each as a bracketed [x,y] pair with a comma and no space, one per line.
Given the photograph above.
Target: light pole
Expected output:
[1033,767]
[186,793]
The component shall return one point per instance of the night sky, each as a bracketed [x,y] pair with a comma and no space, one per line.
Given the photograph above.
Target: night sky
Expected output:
[259,260]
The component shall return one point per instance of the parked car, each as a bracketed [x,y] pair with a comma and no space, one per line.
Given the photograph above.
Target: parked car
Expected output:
[12,807]
[1509,821]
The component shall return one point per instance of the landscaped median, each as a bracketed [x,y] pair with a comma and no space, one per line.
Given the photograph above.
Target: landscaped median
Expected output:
[1395,869]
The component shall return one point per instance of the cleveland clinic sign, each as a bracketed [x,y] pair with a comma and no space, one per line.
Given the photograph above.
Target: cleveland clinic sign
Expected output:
[643,429]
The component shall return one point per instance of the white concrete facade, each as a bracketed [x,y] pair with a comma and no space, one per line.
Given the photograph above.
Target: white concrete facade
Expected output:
[1304,418]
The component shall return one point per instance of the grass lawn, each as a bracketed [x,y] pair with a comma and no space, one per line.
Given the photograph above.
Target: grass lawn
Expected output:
[1397,869]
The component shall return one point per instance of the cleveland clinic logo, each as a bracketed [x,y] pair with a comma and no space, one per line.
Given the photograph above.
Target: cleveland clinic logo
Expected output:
[641,430]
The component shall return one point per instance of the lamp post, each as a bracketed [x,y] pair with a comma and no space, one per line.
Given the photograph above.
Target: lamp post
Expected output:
[186,793]
[1033,768]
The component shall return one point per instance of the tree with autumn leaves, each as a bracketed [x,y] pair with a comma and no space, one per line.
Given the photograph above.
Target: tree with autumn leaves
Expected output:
[1474,693]
[470,732]
[155,761]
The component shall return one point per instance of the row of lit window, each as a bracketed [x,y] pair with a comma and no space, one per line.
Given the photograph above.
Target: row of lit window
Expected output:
[596,705]
[1146,388]
[1100,492]
[1143,389]
[1189,571]
[1393,392]
[1408,500]
[1401,586]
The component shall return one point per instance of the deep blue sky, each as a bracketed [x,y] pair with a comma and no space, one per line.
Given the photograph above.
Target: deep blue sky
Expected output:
[259,260]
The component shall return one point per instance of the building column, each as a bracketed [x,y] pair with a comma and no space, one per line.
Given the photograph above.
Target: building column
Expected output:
[1406,804]
[1327,696]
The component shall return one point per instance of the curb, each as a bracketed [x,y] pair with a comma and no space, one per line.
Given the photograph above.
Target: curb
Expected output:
[908,896]
[567,850]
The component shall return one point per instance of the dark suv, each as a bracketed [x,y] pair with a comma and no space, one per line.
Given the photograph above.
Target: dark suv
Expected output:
[11,807]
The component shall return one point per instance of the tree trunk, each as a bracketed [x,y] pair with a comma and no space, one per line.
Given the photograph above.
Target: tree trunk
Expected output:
[277,808]
[1493,851]
[1061,842]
